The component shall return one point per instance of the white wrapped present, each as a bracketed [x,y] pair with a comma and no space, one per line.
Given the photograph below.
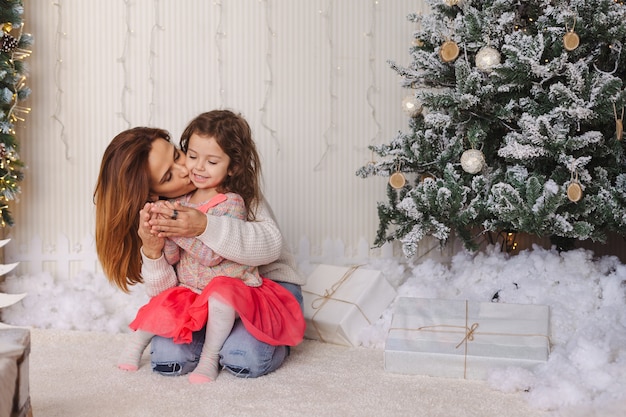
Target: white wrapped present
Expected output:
[339,302]
[464,339]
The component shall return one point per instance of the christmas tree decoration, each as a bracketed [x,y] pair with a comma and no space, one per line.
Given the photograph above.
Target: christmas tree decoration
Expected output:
[451,2]
[418,42]
[570,39]
[542,124]
[9,43]
[397,180]
[14,48]
[411,105]
[426,176]
[472,161]
[487,58]
[574,190]
[449,51]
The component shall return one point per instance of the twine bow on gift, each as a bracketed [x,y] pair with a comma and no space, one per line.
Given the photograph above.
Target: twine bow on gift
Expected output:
[321,300]
[328,293]
[469,337]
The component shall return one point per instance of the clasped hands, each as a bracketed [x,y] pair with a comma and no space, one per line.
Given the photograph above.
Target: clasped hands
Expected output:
[163,219]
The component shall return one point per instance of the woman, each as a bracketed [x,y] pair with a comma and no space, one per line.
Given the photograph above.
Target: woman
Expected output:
[139,166]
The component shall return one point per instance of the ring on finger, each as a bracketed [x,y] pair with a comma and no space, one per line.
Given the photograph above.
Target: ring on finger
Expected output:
[174,215]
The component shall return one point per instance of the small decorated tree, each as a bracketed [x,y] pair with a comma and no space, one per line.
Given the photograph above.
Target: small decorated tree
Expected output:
[14,44]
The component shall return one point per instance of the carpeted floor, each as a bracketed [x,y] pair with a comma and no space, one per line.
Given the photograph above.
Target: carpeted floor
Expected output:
[74,374]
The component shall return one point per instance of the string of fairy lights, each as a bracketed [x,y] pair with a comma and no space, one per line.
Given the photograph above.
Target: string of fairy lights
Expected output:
[219,37]
[59,35]
[327,15]
[270,80]
[371,59]
[156,27]
[152,55]
[123,61]
[10,165]
[335,70]
[329,143]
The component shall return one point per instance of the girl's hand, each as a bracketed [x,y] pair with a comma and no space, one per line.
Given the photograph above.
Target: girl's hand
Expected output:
[152,243]
[169,220]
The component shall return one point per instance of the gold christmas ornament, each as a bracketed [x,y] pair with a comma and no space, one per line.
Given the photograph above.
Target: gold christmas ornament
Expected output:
[451,2]
[397,180]
[449,51]
[570,39]
[7,27]
[472,161]
[411,105]
[574,190]
[487,58]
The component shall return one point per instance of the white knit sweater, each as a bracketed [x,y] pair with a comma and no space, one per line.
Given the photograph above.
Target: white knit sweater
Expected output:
[258,243]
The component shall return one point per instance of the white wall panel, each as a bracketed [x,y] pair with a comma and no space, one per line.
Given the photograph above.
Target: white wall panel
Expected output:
[311,77]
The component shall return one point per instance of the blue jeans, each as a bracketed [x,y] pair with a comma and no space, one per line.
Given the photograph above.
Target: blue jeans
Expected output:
[242,354]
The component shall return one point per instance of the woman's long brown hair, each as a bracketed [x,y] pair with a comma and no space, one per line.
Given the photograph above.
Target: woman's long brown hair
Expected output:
[122,189]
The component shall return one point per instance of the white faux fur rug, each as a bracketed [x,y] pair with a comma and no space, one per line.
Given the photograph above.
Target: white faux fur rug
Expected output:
[74,374]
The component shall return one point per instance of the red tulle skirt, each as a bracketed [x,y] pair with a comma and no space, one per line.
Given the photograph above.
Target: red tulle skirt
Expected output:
[269,312]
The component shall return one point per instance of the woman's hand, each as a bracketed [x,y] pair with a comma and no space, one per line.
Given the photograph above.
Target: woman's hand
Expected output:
[169,219]
[152,243]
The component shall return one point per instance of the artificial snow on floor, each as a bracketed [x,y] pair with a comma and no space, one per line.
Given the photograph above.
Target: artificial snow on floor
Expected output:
[586,370]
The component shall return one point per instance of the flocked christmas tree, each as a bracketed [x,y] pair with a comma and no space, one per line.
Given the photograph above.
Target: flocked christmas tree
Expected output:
[516,115]
[14,44]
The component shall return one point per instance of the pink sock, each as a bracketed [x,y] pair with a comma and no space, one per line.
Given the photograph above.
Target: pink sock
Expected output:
[207,369]
[131,355]
[220,322]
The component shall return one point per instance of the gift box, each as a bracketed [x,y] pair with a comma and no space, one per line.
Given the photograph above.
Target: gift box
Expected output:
[339,302]
[464,339]
[14,365]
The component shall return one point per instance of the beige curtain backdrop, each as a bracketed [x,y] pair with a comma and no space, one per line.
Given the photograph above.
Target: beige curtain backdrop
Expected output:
[311,77]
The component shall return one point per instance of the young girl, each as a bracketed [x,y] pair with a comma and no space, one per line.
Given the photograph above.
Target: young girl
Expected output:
[224,166]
